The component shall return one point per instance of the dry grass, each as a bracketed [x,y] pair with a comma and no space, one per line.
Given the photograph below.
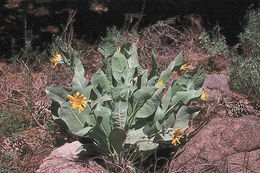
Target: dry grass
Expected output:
[24,112]
[167,40]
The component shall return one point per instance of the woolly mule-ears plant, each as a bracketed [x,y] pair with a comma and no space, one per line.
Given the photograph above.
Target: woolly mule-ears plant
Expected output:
[124,110]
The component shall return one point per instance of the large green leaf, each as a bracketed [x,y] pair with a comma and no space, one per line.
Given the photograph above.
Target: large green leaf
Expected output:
[198,78]
[185,96]
[79,83]
[104,114]
[133,59]
[100,100]
[119,65]
[169,123]
[134,136]
[150,128]
[117,138]
[119,114]
[184,115]
[150,105]
[141,96]
[100,79]
[57,94]
[142,79]
[165,75]
[83,131]
[166,100]
[154,71]
[74,120]
[107,48]
[101,141]
[147,145]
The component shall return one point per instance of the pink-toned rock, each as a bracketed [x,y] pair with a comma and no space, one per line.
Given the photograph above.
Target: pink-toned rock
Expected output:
[63,160]
[244,162]
[218,143]
[216,86]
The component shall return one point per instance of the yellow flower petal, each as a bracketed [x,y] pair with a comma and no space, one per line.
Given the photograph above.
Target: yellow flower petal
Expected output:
[176,136]
[204,95]
[118,49]
[78,101]
[184,67]
[160,83]
[57,60]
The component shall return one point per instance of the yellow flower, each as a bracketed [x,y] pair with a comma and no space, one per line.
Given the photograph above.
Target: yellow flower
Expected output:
[176,136]
[184,67]
[118,49]
[57,60]
[78,101]
[204,95]
[160,83]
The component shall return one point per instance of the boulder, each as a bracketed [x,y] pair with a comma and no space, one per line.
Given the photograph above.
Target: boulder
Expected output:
[217,88]
[224,143]
[63,160]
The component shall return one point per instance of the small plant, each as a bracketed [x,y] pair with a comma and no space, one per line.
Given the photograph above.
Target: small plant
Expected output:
[215,44]
[245,69]
[115,38]
[11,123]
[126,110]
[63,52]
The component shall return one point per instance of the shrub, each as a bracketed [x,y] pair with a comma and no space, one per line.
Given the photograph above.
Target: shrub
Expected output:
[214,44]
[245,70]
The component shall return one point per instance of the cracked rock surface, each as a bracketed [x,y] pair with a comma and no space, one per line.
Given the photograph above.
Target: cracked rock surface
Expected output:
[231,144]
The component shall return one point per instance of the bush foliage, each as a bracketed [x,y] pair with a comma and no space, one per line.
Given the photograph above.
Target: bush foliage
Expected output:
[245,70]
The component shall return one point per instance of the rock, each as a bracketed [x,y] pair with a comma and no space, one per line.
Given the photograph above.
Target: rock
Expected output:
[63,160]
[221,143]
[217,88]
[247,161]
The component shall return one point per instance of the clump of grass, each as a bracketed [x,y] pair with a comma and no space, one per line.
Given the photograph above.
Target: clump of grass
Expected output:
[11,122]
[7,163]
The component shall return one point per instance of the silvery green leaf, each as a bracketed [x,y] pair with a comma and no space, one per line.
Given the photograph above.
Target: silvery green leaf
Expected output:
[166,99]
[74,120]
[100,79]
[133,59]
[79,83]
[119,65]
[119,114]
[141,96]
[106,48]
[154,71]
[133,136]
[185,96]
[57,94]
[117,138]
[150,105]
[165,75]
[147,145]
[104,115]
[183,116]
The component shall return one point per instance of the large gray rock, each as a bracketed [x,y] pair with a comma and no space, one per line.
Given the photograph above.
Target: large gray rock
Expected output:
[223,142]
[63,160]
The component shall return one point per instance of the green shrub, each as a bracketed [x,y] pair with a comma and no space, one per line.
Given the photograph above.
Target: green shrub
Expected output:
[214,44]
[245,68]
